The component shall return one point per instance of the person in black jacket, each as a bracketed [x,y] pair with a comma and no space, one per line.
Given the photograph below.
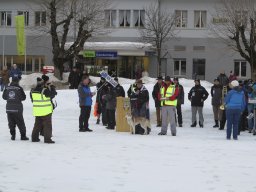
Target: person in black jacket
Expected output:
[197,95]
[216,93]
[180,100]
[119,89]
[110,99]
[155,94]
[14,95]
[74,78]
[100,87]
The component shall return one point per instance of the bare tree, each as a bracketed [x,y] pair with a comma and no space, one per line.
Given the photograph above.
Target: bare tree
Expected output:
[80,19]
[158,28]
[236,27]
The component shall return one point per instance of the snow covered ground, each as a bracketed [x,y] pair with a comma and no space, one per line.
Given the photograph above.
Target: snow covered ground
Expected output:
[197,160]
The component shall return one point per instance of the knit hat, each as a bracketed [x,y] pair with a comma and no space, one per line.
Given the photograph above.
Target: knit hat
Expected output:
[175,79]
[39,80]
[167,78]
[159,78]
[45,78]
[234,83]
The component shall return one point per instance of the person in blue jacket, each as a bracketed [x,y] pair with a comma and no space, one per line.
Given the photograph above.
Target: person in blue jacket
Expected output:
[15,72]
[235,105]
[85,102]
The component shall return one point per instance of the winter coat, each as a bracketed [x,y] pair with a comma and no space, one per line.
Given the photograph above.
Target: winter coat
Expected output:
[99,89]
[120,91]
[85,95]
[48,90]
[180,97]
[223,79]
[197,95]
[74,79]
[235,99]
[14,95]
[155,93]
[140,102]
[5,77]
[110,99]
[216,93]
[15,73]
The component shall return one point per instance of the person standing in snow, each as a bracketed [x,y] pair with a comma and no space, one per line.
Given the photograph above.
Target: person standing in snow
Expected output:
[140,104]
[4,78]
[110,99]
[235,105]
[168,96]
[180,100]
[197,95]
[74,78]
[14,95]
[100,87]
[15,72]
[41,97]
[155,94]
[216,93]
[85,102]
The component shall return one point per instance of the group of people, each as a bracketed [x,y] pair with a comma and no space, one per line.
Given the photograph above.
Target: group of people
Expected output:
[230,102]
[6,74]
[42,100]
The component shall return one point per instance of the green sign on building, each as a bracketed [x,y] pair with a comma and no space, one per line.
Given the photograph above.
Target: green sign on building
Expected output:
[89,54]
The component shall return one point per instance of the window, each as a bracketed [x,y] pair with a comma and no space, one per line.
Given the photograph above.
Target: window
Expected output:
[40,18]
[181,18]
[124,18]
[6,18]
[240,68]
[199,68]
[138,18]
[200,19]
[241,18]
[26,15]
[199,48]
[180,67]
[179,48]
[110,18]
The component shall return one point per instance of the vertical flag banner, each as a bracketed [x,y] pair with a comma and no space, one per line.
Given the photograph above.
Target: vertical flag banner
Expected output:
[20,34]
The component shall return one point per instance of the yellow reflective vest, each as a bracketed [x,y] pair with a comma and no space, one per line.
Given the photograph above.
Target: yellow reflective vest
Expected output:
[169,92]
[42,105]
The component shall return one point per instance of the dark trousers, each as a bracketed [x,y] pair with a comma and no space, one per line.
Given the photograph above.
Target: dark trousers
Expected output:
[179,114]
[43,123]
[111,118]
[84,117]
[233,116]
[16,119]
[104,115]
[158,116]
[223,120]
[243,122]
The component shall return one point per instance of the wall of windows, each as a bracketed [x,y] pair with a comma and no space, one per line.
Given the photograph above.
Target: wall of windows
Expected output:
[240,68]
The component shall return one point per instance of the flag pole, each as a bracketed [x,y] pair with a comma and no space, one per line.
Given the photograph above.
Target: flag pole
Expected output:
[25,63]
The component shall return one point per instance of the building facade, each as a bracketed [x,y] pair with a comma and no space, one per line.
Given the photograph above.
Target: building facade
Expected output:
[194,50]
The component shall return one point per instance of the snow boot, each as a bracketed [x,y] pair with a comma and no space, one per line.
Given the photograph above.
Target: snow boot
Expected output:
[98,121]
[24,138]
[201,125]
[216,124]
[88,130]
[13,137]
[161,133]
[194,124]
[49,142]
[35,140]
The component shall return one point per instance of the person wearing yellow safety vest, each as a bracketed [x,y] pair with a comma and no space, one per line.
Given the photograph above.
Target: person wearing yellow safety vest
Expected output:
[41,97]
[168,96]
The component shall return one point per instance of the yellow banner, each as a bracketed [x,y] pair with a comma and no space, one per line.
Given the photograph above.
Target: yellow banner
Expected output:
[20,34]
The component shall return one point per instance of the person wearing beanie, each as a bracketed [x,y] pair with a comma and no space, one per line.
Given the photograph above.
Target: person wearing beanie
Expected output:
[180,100]
[119,89]
[168,96]
[197,95]
[41,97]
[14,95]
[85,102]
[216,93]
[235,105]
